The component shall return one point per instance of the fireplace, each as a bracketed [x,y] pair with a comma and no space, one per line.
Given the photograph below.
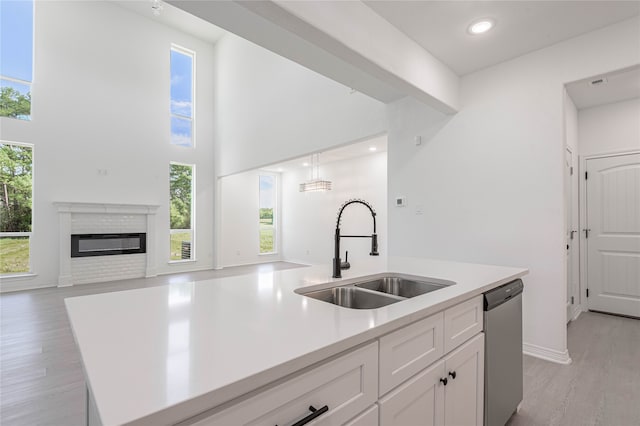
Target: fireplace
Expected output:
[91,233]
[83,245]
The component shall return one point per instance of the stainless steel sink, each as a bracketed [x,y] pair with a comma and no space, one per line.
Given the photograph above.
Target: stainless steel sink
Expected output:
[353,297]
[399,286]
[376,292]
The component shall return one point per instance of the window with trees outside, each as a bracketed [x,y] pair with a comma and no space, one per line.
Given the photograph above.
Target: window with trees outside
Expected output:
[182,96]
[181,204]
[267,214]
[16,58]
[16,192]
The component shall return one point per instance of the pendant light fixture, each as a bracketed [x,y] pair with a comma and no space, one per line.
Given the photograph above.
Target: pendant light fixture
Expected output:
[315,184]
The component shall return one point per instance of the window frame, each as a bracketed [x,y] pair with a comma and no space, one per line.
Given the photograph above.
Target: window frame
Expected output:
[29,235]
[192,120]
[276,241]
[192,230]
[33,67]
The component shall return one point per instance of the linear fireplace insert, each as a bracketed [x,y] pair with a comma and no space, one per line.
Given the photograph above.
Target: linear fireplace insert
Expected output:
[83,245]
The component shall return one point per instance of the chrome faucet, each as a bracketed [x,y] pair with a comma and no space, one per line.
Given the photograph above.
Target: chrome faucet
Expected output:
[337,263]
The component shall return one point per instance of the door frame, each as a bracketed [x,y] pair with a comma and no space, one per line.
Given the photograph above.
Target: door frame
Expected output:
[583,282]
[571,198]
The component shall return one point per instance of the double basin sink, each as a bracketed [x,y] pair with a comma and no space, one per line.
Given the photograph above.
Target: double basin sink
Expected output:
[378,292]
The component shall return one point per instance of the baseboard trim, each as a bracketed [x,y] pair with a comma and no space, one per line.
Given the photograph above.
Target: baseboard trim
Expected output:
[576,314]
[12,287]
[299,262]
[251,263]
[186,271]
[546,353]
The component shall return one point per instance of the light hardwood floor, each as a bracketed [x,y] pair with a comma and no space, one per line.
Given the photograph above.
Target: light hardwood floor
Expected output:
[600,387]
[41,379]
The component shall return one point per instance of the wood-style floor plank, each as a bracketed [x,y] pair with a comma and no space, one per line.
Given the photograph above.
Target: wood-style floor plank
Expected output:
[600,387]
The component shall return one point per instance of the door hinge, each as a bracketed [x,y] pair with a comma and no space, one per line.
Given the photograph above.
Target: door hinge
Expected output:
[571,171]
[587,292]
[572,300]
[586,175]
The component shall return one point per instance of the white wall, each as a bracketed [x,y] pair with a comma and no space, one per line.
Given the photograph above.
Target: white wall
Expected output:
[610,128]
[240,244]
[490,178]
[309,219]
[269,109]
[101,101]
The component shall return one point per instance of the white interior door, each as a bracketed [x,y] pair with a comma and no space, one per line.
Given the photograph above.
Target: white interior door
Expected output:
[613,242]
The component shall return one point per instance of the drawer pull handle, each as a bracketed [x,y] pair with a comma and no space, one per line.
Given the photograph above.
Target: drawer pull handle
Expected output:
[314,414]
[452,374]
[444,381]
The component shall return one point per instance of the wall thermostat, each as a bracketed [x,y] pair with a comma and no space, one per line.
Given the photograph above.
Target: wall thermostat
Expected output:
[401,202]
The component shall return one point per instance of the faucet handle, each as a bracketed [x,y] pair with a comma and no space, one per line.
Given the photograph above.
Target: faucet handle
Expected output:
[345,264]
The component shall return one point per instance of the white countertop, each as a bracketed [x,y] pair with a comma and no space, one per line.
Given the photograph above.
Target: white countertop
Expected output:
[159,355]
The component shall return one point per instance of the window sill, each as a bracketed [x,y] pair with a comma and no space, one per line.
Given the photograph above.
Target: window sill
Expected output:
[268,254]
[25,275]
[177,262]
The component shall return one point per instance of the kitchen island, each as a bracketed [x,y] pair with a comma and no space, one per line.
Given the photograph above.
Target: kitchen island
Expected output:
[163,355]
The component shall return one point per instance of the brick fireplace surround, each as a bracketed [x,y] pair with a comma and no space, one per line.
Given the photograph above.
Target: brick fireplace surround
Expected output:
[101,218]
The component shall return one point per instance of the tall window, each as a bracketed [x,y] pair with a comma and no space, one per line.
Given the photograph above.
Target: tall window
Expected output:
[181,202]
[182,96]
[16,193]
[267,214]
[16,58]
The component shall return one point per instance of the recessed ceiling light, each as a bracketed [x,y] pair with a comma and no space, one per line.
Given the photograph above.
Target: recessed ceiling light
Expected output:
[305,164]
[481,26]
[373,148]
[280,169]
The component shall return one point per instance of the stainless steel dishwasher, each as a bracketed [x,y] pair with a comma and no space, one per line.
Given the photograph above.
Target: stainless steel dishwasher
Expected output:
[503,352]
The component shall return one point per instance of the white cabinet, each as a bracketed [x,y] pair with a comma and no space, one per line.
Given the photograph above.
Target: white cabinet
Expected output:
[405,352]
[464,392]
[430,372]
[346,385]
[418,401]
[368,418]
[461,322]
[447,393]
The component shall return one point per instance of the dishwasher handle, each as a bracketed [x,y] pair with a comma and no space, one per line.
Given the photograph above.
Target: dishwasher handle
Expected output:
[499,295]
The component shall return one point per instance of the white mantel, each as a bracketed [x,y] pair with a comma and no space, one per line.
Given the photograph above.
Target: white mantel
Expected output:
[66,211]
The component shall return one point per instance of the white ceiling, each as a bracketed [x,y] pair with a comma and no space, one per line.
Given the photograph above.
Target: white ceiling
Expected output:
[347,152]
[620,86]
[175,18]
[440,27]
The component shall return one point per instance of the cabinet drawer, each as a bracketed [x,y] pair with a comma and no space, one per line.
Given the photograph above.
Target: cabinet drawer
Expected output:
[461,322]
[405,352]
[347,385]
[368,418]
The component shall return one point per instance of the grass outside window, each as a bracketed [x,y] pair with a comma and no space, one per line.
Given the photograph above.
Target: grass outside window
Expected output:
[176,244]
[14,255]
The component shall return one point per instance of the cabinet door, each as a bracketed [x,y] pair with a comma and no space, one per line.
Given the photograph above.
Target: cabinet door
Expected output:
[464,393]
[407,351]
[368,418]
[418,401]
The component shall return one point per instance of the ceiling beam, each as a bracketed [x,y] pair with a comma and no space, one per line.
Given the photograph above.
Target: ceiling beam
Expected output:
[345,41]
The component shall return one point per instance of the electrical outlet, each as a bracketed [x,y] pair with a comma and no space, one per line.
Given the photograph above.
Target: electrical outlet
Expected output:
[237,252]
[419,209]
